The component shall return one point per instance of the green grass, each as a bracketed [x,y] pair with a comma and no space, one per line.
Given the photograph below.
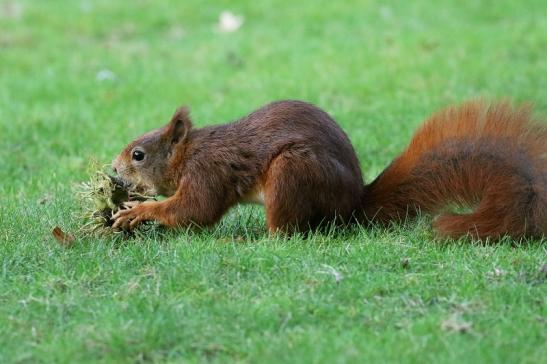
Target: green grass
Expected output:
[232,294]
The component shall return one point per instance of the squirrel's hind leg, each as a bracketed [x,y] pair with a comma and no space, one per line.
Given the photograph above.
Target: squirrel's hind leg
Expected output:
[300,194]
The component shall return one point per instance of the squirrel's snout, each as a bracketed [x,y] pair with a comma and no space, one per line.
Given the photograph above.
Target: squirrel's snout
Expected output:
[114,166]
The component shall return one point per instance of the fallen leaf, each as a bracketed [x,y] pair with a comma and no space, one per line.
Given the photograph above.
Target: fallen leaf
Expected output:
[229,22]
[496,272]
[105,75]
[330,270]
[44,199]
[64,239]
[499,272]
[456,324]
[176,32]
[11,10]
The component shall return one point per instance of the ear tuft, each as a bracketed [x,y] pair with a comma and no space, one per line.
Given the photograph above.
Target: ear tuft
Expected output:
[180,125]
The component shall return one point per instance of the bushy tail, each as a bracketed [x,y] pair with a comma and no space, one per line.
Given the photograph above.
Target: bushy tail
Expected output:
[491,158]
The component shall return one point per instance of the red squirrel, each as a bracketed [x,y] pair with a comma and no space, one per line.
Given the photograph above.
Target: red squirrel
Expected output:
[294,159]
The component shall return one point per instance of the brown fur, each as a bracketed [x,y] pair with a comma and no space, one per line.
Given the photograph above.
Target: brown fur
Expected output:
[489,157]
[293,158]
[291,152]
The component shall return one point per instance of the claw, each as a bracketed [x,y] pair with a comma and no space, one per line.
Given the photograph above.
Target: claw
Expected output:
[121,219]
[129,218]
[131,204]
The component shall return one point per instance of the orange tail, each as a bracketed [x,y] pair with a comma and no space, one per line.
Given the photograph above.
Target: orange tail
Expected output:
[489,157]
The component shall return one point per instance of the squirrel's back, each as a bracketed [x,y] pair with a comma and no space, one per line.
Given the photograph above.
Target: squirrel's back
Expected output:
[487,157]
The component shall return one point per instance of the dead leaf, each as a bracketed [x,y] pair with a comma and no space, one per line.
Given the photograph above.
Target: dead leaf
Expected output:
[11,10]
[499,272]
[330,270]
[64,239]
[105,75]
[229,22]
[44,199]
[456,324]
[176,32]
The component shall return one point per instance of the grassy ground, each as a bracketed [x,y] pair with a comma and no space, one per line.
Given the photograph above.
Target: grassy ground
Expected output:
[81,78]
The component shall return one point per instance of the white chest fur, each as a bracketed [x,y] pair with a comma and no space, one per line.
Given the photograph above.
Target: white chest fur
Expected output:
[256,196]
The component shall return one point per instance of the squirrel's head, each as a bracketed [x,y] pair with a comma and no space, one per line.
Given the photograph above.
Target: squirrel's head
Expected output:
[145,163]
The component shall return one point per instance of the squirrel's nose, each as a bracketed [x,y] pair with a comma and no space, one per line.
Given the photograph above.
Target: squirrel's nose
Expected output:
[115,170]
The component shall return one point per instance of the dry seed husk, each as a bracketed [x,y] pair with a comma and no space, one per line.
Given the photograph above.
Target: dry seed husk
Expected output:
[100,198]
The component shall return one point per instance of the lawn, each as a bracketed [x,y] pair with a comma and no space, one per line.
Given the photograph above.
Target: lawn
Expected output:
[79,79]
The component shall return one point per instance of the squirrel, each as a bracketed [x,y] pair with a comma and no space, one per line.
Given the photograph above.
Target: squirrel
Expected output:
[293,158]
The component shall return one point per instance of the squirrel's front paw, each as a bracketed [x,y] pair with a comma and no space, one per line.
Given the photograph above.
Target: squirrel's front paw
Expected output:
[130,218]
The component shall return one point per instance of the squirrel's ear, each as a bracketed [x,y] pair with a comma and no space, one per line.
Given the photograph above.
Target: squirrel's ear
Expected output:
[180,125]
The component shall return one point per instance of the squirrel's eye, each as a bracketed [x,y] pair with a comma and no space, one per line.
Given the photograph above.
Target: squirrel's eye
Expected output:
[137,155]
